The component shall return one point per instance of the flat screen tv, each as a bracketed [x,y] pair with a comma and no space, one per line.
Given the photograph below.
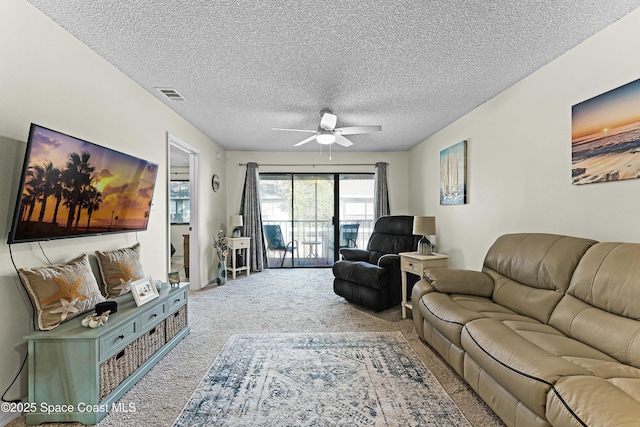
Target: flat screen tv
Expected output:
[70,188]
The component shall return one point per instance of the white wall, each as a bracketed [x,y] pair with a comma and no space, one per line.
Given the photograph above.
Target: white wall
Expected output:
[519,156]
[397,171]
[50,78]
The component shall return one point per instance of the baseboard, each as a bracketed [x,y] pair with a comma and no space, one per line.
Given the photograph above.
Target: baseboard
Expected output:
[7,417]
[193,288]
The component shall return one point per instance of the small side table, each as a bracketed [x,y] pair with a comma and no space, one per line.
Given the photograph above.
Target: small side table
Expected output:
[239,243]
[413,262]
[312,249]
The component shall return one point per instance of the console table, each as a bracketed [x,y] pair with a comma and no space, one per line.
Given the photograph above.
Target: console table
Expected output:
[78,373]
[239,243]
[414,262]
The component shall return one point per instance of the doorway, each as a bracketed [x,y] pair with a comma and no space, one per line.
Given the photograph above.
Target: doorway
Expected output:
[309,217]
[185,159]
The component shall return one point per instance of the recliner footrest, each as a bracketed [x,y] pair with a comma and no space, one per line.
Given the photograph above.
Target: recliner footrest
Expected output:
[362,273]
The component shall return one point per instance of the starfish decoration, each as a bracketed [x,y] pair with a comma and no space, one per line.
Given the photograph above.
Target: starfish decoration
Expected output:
[126,273]
[124,287]
[67,290]
[66,308]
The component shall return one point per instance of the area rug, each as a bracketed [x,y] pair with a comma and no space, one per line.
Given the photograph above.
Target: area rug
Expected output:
[319,379]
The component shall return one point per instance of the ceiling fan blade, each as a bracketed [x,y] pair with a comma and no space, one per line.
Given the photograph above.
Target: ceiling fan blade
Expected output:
[328,121]
[311,138]
[341,140]
[357,129]
[296,130]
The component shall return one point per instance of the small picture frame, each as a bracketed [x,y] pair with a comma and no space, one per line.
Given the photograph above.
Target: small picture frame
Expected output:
[174,278]
[144,290]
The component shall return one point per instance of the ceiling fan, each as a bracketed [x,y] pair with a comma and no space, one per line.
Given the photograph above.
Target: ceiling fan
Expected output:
[327,132]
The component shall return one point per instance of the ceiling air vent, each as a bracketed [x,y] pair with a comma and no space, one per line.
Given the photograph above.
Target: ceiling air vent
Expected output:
[170,93]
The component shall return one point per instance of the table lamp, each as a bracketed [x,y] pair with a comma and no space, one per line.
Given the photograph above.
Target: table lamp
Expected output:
[236,223]
[424,226]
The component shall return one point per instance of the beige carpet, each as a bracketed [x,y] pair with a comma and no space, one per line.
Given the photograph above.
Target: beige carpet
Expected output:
[273,301]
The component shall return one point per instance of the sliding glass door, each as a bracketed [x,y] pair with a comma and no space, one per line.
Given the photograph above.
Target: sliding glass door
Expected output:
[355,210]
[313,211]
[299,212]
[276,198]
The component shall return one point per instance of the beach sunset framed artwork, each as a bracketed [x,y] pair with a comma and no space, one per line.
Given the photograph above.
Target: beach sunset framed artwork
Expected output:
[453,174]
[605,136]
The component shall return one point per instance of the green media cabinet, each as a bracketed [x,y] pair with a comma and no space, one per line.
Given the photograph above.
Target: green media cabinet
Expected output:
[79,374]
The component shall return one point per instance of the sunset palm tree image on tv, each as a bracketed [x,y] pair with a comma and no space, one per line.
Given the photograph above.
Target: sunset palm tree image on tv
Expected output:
[70,187]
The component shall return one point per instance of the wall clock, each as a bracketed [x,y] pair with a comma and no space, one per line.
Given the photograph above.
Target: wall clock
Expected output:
[215,182]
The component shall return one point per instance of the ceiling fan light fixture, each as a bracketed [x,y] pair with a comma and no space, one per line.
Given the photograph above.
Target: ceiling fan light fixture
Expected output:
[326,138]
[328,134]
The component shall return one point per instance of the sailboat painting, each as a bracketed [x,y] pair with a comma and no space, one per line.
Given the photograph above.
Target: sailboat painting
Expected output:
[453,174]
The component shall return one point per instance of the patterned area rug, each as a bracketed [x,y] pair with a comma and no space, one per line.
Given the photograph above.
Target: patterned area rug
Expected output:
[319,379]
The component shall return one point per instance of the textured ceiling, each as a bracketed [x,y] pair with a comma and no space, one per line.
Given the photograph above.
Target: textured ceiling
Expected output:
[412,66]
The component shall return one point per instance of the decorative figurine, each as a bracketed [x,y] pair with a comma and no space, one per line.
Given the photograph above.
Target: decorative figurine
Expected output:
[95,320]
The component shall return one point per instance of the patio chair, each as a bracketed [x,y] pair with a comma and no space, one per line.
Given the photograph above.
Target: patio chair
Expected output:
[348,236]
[275,242]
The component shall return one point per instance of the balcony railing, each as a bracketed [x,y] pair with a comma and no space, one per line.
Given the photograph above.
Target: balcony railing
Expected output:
[315,240]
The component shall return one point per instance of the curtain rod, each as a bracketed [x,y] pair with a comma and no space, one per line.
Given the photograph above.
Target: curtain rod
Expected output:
[311,164]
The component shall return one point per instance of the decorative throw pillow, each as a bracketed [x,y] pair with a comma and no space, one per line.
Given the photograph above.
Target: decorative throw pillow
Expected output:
[119,268]
[61,292]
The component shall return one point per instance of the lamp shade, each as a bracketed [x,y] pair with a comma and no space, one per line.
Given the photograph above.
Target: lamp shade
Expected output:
[236,221]
[424,225]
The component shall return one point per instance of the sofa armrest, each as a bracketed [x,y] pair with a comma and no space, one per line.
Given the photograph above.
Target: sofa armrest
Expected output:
[389,262]
[452,281]
[421,288]
[351,254]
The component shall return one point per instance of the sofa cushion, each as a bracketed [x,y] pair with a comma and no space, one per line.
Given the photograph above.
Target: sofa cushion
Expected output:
[593,401]
[605,369]
[538,260]
[361,272]
[531,302]
[608,264]
[553,341]
[60,292]
[532,271]
[616,336]
[601,306]
[449,313]
[522,367]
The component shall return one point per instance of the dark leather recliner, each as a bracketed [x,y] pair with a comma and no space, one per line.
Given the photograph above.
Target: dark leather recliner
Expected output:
[372,277]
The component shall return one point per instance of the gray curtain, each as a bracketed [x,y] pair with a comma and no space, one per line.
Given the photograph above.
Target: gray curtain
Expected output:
[252,218]
[381,192]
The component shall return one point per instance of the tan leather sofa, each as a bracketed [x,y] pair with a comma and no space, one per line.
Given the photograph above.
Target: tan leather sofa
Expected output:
[548,333]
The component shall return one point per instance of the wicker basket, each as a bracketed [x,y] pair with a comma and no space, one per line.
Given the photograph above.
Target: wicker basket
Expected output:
[117,368]
[150,342]
[176,322]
